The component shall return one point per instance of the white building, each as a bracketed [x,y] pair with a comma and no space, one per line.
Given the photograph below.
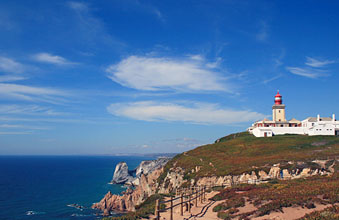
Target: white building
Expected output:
[321,126]
[280,126]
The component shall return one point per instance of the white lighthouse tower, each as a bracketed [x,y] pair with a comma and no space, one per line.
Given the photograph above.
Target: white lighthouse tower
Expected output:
[278,109]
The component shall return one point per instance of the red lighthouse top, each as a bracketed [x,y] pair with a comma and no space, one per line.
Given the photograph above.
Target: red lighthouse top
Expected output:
[278,99]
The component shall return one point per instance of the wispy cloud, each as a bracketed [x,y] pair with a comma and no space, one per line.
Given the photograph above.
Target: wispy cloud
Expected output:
[31,93]
[28,110]
[16,126]
[79,6]
[91,29]
[306,72]
[262,35]
[161,73]
[272,78]
[10,66]
[14,132]
[202,113]
[313,68]
[11,78]
[317,63]
[52,59]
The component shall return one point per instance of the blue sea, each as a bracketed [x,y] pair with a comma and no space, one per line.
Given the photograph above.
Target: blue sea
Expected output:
[42,187]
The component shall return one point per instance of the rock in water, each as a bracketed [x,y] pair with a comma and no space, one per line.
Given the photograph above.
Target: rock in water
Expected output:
[121,174]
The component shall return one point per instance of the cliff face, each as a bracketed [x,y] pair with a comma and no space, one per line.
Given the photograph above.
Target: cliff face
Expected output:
[175,177]
[130,198]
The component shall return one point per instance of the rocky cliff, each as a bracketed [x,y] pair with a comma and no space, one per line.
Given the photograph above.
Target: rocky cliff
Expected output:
[175,180]
[130,198]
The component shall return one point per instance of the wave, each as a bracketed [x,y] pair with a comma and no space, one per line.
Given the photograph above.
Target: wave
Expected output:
[34,213]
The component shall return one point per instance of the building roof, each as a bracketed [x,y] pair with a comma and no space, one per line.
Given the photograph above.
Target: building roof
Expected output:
[314,119]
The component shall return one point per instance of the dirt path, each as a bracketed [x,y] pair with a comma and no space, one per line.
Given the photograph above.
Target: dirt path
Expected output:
[204,211]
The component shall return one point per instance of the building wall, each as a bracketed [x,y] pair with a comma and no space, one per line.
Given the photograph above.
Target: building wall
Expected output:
[278,113]
[260,132]
[322,129]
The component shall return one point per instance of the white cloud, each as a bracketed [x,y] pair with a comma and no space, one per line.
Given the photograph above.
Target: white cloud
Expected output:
[30,93]
[10,65]
[14,132]
[10,78]
[152,74]
[317,63]
[15,126]
[313,70]
[52,59]
[306,72]
[202,113]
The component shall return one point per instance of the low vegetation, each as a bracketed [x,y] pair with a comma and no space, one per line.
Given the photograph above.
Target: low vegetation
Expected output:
[331,213]
[274,196]
[242,152]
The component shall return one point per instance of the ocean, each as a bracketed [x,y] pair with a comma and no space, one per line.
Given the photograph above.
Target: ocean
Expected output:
[44,187]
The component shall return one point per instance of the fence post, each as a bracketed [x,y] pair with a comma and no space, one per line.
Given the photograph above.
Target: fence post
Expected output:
[182,203]
[196,197]
[171,217]
[203,193]
[189,203]
[157,211]
[201,190]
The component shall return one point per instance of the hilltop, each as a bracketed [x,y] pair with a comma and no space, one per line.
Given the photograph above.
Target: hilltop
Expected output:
[242,152]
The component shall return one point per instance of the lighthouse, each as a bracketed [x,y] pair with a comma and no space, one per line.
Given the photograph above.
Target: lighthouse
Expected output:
[278,109]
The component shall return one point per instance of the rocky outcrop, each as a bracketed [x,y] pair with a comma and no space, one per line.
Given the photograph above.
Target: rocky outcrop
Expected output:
[130,198]
[144,181]
[275,172]
[149,166]
[121,174]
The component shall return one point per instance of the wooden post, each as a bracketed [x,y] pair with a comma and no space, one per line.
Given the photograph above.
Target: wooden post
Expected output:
[196,197]
[204,193]
[182,204]
[171,217]
[200,193]
[157,211]
[189,203]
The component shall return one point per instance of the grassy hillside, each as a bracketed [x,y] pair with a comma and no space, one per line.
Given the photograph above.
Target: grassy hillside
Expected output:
[276,195]
[242,152]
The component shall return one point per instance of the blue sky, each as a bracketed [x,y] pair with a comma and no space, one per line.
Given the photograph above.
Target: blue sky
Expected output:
[132,76]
